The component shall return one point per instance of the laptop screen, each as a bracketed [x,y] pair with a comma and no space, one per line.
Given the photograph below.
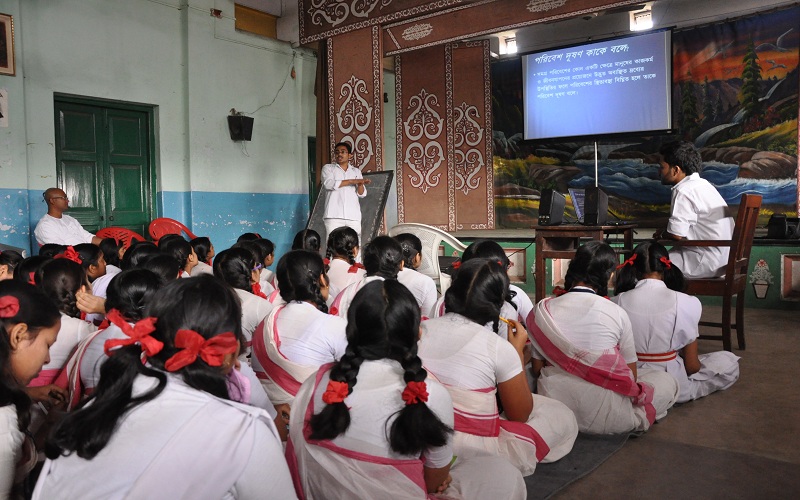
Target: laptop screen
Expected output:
[577,196]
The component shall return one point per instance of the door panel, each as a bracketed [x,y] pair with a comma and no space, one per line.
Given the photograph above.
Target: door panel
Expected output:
[104,160]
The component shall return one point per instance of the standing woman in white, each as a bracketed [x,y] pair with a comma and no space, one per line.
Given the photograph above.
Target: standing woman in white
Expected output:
[345,185]
[665,324]
[147,421]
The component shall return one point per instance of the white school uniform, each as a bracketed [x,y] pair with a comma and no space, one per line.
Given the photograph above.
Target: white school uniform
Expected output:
[343,300]
[11,439]
[254,310]
[100,285]
[201,268]
[506,311]
[73,330]
[665,321]
[522,301]
[161,449]
[422,287]
[340,276]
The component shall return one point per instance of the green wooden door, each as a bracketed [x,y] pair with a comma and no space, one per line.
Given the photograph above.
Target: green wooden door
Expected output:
[104,156]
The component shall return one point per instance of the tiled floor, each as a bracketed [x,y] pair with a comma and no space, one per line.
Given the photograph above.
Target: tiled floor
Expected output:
[740,443]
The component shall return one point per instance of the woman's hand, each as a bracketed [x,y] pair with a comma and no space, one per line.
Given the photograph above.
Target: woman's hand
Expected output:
[518,336]
[445,484]
[89,303]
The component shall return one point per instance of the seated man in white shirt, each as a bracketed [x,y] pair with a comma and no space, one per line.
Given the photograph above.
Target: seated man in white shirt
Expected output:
[697,212]
[345,186]
[57,227]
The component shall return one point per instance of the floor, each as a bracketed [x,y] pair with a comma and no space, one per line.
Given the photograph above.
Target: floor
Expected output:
[740,443]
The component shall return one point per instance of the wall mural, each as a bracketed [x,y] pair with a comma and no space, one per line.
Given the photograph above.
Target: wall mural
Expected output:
[735,95]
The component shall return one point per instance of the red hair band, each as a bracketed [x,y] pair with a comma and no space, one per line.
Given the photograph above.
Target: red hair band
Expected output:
[9,306]
[326,261]
[355,267]
[456,264]
[628,262]
[138,333]
[335,392]
[256,288]
[70,254]
[192,345]
[415,392]
[666,262]
[32,278]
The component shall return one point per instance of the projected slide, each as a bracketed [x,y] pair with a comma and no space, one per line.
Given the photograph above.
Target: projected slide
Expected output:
[615,86]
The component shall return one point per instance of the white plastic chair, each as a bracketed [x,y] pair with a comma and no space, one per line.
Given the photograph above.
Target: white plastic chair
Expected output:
[431,239]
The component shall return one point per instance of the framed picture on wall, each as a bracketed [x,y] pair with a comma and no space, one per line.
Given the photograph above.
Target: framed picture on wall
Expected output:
[7,45]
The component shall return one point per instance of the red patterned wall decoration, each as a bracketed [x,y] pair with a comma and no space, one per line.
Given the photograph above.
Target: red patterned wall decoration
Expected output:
[444,175]
[355,95]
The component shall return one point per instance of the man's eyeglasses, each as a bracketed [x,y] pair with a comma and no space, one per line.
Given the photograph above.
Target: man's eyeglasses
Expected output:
[60,198]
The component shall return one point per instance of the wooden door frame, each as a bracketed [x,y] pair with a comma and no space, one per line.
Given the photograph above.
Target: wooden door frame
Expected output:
[147,109]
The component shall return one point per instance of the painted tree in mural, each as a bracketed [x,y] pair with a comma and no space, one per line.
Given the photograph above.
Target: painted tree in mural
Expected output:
[708,103]
[689,116]
[751,85]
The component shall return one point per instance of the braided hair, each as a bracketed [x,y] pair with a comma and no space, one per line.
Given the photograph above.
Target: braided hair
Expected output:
[647,258]
[478,291]
[130,291]
[61,280]
[593,264]
[307,239]
[343,242]
[382,257]
[31,267]
[235,267]
[411,245]
[383,323]
[299,273]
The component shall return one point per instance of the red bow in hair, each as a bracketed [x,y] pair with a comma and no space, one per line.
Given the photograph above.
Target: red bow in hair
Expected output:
[666,262]
[32,278]
[9,306]
[355,267]
[415,392]
[140,332]
[335,392]
[192,344]
[456,264]
[326,261]
[628,262]
[70,254]
[256,288]
[333,311]
[558,291]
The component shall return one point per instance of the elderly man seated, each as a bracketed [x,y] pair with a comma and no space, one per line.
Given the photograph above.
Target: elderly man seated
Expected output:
[57,227]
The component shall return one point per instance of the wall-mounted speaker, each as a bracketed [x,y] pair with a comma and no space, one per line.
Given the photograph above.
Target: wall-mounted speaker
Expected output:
[551,208]
[240,127]
[595,207]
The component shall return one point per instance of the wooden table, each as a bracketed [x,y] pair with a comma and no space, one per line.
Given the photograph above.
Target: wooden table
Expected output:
[561,242]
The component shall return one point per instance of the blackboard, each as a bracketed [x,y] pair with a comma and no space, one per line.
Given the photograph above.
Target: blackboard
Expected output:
[372,207]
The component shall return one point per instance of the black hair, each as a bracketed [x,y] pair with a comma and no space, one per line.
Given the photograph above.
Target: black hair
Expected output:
[682,154]
[138,253]
[31,265]
[383,323]
[478,291]
[342,242]
[346,145]
[201,245]
[164,266]
[382,257]
[307,239]
[411,245]
[90,255]
[647,260]
[11,259]
[592,265]
[169,237]
[202,304]
[178,248]
[298,273]
[248,237]
[490,249]
[130,291]
[36,311]
[267,246]
[50,250]
[258,252]
[110,248]
[235,267]
[61,280]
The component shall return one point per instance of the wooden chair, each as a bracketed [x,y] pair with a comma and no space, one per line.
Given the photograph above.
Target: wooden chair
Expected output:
[431,237]
[121,234]
[164,225]
[735,279]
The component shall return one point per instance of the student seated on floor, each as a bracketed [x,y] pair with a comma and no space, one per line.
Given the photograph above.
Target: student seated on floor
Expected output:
[375,425]
[585,356]
[665,324]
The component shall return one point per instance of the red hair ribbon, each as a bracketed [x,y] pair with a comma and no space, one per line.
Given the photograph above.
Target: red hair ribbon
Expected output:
[456,264]
[558,291]
[192,344]
[32,278]
[666,262]
[335,392]
[9,306]
[628,262]
[326,261]
[256,288]
[333,311]
[415,392]
[138,333]
[70,254]
[355,267]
